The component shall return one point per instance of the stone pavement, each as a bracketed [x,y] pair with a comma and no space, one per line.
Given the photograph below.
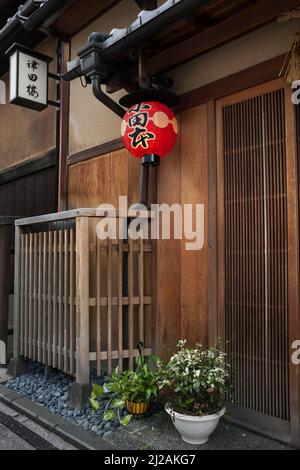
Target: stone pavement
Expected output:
[158,433]
[11,441]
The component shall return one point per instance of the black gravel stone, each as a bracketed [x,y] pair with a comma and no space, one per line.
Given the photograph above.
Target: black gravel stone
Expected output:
[52,391]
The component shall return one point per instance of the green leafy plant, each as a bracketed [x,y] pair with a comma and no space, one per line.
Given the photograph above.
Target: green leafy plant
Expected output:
[195,381]
[137,386]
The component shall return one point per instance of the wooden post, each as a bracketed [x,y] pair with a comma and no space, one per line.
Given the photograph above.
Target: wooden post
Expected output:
[17,365]
[5,241]
[82,300]
[64,130]
[293,263]
[212,226]
[17,293]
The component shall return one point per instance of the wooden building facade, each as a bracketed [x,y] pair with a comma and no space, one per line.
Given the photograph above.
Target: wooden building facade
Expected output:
[237,154]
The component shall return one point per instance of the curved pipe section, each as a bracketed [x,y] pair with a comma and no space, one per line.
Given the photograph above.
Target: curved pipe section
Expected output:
[106,100]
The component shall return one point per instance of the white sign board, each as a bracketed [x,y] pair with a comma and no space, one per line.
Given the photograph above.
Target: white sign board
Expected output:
[28,78]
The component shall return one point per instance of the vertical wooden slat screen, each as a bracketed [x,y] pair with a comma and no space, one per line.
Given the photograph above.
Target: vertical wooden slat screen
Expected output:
[52,324]
[256,253]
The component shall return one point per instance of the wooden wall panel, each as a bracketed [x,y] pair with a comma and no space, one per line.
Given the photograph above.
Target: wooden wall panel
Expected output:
[103,179]
[118,176]
[194,190]
[34,194]
[168,293]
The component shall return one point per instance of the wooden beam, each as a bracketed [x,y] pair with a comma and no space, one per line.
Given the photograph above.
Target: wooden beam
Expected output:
[96,151]
[249,19]
[293,262]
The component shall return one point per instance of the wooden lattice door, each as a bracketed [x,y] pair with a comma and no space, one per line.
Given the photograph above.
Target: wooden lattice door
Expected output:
[258,299]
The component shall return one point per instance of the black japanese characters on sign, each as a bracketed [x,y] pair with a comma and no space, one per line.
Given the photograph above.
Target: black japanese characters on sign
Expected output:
[32,91]
[138,121]
[33,65]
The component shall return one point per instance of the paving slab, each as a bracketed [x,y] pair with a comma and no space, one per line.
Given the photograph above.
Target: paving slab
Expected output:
[26,406]
[82,438]
[8,411]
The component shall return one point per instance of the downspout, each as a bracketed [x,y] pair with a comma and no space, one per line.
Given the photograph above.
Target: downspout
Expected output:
[104,98]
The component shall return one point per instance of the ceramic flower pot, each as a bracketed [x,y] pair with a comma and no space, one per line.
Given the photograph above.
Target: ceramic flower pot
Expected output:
[137,409]
[195,430]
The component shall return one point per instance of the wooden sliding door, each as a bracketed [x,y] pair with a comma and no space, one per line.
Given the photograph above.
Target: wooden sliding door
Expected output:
[258,256]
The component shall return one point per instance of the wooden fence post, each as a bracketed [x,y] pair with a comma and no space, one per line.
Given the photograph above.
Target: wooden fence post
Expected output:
[17,365]
[82,300]
[17,293]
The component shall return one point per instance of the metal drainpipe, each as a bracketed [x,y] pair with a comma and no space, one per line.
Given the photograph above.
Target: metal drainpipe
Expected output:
[104,98]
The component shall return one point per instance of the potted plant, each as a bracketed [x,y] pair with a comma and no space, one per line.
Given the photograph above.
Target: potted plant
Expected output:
[133,389]
[194,383]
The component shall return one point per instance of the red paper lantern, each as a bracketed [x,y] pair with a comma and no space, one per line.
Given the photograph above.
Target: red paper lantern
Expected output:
[149,128]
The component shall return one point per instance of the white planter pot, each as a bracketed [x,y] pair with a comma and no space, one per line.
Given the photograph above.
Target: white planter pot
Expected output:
[195,430]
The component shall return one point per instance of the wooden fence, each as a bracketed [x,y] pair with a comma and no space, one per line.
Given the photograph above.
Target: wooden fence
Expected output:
[80,301]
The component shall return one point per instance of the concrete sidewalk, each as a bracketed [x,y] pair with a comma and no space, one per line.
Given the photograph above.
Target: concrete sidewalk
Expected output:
[11,441]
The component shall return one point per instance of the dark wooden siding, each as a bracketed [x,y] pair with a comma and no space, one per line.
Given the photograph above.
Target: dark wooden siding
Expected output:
[33,194]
